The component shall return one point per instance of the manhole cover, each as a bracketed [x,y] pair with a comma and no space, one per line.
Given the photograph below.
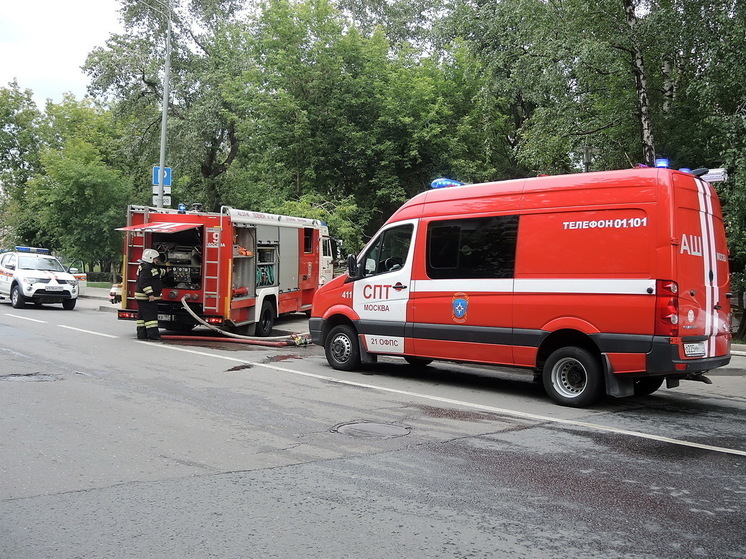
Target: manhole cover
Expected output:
[29,377]
[367,430]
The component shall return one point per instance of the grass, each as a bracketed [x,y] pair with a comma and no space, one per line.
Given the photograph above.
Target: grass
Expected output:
[103,284]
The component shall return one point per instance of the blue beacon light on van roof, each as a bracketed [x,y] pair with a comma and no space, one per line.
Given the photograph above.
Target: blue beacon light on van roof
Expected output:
[663,163]
[445,183]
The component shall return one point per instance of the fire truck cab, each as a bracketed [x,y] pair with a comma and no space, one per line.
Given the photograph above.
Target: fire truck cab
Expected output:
[236,269]
[597,282]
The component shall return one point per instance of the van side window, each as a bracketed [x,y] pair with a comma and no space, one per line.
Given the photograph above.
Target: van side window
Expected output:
[472,248]
[388,252]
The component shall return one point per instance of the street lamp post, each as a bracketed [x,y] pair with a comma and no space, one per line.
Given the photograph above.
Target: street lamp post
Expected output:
[164,104]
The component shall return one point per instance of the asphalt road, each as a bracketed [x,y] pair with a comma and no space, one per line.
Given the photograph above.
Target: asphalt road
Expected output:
[119,448]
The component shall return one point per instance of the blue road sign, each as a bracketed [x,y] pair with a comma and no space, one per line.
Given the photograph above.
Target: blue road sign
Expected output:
[157,175]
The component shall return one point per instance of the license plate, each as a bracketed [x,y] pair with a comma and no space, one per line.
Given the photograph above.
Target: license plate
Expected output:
[53,288]
[694,350]
[165,317]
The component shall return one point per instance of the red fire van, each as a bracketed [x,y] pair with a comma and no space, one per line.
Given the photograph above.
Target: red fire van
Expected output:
[599,282]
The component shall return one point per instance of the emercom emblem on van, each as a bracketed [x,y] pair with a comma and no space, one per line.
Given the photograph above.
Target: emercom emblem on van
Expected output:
[460,306]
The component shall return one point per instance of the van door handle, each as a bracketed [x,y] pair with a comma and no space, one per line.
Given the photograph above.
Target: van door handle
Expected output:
[718,307]
[399,286]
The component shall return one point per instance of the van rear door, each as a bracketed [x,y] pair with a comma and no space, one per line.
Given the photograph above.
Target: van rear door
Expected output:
[702,269]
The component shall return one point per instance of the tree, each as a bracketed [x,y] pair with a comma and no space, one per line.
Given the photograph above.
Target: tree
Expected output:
[79,195]
[322,108]
[20,144]
[586,76]
[80,201]
[201,140]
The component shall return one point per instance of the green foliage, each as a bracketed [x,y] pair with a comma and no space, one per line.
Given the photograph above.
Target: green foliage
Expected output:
[79,190]
[342,217]
[323,108]
[79,202]
[201,142]
[20,140]
[343,109]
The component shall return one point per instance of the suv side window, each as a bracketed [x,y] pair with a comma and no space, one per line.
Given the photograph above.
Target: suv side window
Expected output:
[388,252]
[481,247]
[7,260]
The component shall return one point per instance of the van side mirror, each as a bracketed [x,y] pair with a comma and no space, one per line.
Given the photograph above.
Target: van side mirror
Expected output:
[352,270]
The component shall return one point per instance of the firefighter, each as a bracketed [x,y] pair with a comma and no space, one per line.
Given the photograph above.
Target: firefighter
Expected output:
[147,294]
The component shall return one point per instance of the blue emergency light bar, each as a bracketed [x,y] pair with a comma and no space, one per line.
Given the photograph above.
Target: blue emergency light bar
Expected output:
[445,183]
[662,163]
[33,249]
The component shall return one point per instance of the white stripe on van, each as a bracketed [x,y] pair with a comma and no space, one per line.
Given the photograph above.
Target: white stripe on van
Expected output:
[595,286]
[709,263]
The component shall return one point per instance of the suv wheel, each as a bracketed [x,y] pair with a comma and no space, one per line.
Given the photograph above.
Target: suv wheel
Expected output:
[17,299]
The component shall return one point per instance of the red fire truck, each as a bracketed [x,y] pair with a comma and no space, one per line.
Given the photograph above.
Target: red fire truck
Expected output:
[598,282]
[237,269]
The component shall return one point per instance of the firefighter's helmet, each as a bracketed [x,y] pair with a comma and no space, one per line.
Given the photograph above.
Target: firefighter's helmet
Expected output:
[149,255]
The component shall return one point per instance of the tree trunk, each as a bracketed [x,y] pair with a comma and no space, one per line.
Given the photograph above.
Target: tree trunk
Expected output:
[641,84]
[669,86]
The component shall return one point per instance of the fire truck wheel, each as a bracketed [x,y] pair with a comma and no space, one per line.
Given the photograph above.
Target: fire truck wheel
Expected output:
[342,349]
[645,386]
[266,319]
[17,298]
[573,377]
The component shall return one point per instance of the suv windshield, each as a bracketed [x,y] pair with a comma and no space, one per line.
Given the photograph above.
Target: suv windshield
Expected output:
[43,263]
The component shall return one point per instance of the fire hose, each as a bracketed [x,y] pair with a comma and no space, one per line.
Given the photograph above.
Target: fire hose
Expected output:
[278,341]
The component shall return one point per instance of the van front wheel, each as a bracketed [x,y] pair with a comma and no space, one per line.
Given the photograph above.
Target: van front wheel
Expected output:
[342,348]
[573,377]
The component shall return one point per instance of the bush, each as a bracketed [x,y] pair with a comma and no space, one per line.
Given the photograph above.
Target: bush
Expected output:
[99,277]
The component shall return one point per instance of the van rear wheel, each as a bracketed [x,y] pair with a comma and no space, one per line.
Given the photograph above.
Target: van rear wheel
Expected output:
[573,377]
[342,348]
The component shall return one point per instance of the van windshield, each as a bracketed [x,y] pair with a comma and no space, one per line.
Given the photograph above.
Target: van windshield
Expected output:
[389,251]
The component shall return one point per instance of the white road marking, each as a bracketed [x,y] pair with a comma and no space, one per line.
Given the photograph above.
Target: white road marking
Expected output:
[481,407]
[25,318]
[87,331]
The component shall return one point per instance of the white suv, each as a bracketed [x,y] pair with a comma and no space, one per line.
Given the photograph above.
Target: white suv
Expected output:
[32,274]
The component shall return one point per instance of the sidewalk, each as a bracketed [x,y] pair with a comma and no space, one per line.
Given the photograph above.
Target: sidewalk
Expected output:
[96,293]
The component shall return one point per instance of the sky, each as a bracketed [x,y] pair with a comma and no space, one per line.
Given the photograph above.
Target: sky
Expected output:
[43,43]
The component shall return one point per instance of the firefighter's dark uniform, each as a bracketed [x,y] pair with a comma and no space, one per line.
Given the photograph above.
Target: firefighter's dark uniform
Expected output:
[149,282]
